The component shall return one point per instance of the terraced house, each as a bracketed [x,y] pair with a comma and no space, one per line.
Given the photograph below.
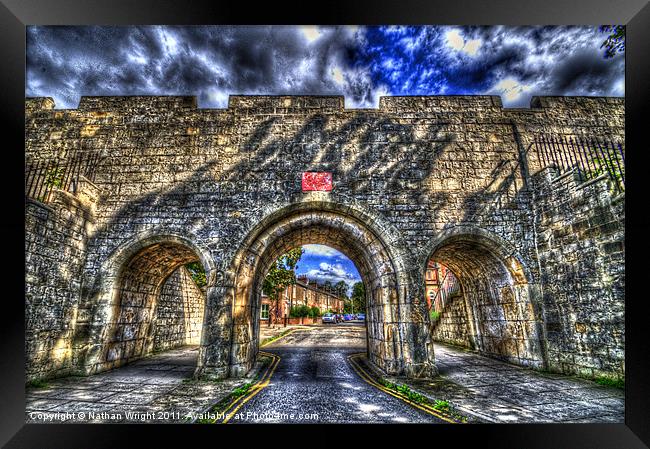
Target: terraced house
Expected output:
[304,292]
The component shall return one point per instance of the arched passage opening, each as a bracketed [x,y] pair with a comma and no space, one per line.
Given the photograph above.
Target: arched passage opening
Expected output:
[308,282]
[491,309]
[153,299]
[397,334]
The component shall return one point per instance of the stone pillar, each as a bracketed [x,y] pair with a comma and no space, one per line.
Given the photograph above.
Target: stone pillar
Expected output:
[216,342]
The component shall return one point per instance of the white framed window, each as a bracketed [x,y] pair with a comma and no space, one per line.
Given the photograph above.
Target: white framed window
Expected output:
[264,314]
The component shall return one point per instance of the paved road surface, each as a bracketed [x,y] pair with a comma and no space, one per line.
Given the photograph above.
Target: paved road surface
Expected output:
[315,383]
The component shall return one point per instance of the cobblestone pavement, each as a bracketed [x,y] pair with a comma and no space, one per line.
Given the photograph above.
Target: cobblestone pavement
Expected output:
[159,388]
[494,391]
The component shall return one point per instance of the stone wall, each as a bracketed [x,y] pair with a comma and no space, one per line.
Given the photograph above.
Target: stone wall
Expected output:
[414,170]
[453,325]
[581,244]
[178,318]
[55,241]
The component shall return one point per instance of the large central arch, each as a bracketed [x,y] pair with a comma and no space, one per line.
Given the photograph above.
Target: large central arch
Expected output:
[398,338]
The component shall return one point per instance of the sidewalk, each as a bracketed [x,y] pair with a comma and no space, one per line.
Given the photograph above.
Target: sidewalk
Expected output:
[156,389]
[493,391]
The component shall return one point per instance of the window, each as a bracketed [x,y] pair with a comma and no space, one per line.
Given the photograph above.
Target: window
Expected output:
[265,312]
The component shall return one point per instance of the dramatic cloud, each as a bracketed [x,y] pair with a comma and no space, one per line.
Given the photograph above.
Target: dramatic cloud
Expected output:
[333,273]
[360,63]
[321,250]
[322,263]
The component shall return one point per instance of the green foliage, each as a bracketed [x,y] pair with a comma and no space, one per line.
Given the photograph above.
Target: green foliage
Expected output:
[220,406]
[197,273]
[314,312]
[610,382]
[281,275]
[434,315]
[241,391]
[615,42]
[441,405]
[358,298]
[341,289]
[608,166]
[54,177]
[37,383]
[405,390]
[300,311]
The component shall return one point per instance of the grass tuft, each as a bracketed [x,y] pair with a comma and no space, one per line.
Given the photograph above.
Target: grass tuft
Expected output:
[37,383]
[610,382]
[441,406]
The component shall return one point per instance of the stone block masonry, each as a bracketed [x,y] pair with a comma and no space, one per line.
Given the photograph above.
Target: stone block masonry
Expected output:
[447,176]
[453,324]
[55,244]
[581,247]
[178,316]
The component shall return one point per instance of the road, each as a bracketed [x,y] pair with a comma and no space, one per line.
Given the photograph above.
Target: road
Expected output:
[314,383]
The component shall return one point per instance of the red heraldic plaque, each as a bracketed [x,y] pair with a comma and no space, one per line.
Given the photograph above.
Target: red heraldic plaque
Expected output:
[314,180]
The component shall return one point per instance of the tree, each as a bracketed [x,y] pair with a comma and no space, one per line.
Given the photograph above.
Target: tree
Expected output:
[358,297]
[341,289]
[197,273]
[615,42]
[281,275]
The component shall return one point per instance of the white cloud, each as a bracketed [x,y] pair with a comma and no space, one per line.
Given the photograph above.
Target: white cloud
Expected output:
[337,74]
[334,273]
[619,88]
[218,98]
[456,41]
[471,47]
[320,250]
[510,90]
[171,44]
[311,33]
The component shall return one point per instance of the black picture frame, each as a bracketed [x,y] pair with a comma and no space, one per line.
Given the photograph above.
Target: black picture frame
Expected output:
[15,15]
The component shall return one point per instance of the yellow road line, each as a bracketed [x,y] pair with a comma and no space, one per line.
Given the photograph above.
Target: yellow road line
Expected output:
[256,389]
[288,333]
[256,384]
[357,368]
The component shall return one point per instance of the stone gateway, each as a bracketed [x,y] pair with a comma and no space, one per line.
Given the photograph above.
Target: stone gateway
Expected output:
[138,187]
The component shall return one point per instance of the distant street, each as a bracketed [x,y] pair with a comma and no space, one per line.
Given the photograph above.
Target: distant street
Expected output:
[314,383]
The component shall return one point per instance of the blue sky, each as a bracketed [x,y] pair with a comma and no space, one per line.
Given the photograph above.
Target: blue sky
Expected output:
[361,63]
[323,263]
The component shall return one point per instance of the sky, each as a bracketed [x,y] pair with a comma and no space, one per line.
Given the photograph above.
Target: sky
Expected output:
[361,63]
[322,263]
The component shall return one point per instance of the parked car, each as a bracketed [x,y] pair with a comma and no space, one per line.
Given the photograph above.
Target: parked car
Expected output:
[329,318]
[348,317]
[339,317]
[361,316]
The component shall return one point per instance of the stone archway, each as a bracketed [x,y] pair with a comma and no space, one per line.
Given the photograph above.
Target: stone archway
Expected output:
[501,316]
[144,301]
[397,331]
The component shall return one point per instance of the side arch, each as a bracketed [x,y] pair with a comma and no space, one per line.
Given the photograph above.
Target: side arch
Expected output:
[503,317]
[124,295]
